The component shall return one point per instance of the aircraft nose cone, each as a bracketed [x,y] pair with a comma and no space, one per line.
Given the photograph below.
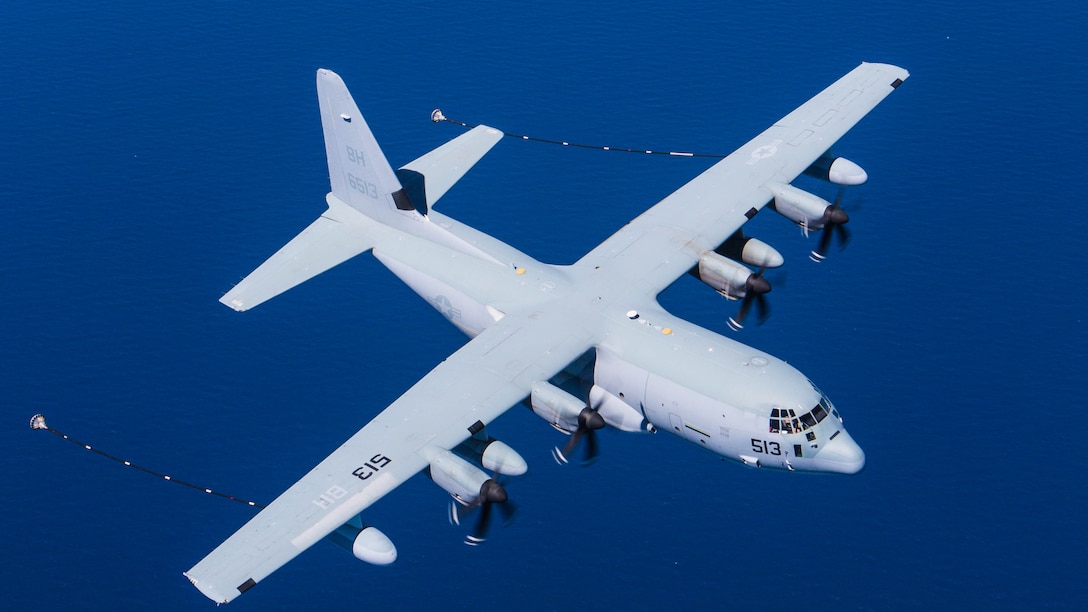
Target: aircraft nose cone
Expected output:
[842,455]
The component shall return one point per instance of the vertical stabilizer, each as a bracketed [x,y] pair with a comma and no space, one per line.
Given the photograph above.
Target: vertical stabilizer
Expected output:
[358,171]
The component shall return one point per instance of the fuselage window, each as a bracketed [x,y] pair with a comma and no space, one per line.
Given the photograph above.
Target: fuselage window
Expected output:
[819,413]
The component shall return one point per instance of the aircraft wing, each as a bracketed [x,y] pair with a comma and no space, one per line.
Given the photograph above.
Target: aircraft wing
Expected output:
[479,382]
[666,241]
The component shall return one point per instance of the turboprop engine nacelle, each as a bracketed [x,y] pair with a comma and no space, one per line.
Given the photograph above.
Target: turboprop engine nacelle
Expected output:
[838,170]
[723,274]
[799,206]
[365,542]
[556,406]
[457,476]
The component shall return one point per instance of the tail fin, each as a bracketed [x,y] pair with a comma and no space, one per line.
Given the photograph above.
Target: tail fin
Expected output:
[358,171]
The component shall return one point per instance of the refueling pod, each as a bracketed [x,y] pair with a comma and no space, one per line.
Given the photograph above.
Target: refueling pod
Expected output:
[367,543]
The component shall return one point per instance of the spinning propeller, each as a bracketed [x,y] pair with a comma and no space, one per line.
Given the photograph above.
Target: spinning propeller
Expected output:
[755,290]
[491,493]
[589,421]
[834,222]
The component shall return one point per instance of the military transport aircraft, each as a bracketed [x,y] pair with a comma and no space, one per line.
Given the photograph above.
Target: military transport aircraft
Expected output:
[584,345]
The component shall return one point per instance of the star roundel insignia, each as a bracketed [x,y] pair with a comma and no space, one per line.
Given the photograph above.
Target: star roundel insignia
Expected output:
[764,152]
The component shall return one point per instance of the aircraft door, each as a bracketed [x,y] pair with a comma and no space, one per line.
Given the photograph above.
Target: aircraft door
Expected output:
[676,423]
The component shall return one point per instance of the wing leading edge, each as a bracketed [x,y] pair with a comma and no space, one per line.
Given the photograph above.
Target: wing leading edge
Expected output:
[663,243]
[477,383]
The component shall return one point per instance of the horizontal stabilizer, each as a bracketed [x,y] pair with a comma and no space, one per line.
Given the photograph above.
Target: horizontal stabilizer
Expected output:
[444,166]
[335,237]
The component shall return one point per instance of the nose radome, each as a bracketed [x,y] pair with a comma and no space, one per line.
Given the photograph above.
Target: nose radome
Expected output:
[842,455]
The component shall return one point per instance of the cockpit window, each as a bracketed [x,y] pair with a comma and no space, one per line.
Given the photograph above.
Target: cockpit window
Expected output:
[784,420]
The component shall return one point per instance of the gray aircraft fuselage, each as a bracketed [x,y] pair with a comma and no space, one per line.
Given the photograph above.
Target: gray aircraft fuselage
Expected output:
[654,371]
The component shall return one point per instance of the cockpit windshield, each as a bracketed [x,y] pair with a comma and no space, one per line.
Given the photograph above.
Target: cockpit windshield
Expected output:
[785,420]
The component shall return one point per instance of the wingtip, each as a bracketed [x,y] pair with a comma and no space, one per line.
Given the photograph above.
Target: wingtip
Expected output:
[207,592]
[326,75]
[233,303]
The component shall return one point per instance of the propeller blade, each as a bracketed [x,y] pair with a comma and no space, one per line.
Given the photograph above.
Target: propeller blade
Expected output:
[509,513]
[763,309]
[825,241]
[591,448]
[483,524]
[843,235]
[737,323]
[568,448]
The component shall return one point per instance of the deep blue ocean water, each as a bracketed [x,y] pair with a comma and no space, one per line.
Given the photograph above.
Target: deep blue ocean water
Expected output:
[153,154]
